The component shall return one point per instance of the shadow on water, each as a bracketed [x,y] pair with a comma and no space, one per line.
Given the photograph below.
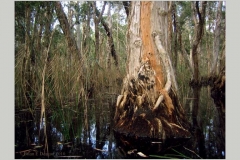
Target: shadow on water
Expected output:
[88,133]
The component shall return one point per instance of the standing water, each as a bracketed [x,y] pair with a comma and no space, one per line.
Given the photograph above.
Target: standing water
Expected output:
[89,133]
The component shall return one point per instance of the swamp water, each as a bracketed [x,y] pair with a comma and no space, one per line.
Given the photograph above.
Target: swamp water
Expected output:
[88,133]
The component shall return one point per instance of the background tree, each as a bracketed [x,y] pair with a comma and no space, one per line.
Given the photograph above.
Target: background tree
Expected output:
[216,38]
[66,27]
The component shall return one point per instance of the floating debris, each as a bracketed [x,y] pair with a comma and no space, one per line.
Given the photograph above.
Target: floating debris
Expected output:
[132,151]
[156,142]
[141,154]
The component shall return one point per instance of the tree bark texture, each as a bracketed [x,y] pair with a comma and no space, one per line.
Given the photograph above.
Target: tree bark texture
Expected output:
[148,105]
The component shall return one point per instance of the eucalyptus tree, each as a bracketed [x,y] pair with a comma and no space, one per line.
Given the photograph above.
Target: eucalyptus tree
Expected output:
[148,104]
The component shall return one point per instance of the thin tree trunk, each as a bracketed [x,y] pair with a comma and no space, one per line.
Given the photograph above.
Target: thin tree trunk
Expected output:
[199,20]
[198,33]
[170,14]
[216,43]
[34,51]
[110,37]
[79,39]
[27,59]
[96,21]
[184,52]
[71,43]
[175,51]
[109,21]
[43,120]
[48,15]
[78,25]
[86,31]
[39,37]
[86,120]
[118,10]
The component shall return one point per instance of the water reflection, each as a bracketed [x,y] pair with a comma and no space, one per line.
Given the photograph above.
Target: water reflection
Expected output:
[90,134]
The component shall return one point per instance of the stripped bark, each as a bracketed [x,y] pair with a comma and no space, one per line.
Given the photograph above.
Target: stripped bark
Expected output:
[168,67]
[148,104]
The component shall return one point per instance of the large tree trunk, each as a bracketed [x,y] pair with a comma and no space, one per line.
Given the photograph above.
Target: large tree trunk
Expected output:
[148,105]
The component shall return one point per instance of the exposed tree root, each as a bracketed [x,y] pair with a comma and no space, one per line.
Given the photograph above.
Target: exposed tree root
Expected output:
[136,112]
[148,105]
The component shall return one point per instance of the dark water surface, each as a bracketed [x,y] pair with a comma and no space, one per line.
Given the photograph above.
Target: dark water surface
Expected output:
[88,133]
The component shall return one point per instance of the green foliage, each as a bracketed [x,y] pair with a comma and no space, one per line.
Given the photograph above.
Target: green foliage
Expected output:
[68,79]
[83,11]
[184,12]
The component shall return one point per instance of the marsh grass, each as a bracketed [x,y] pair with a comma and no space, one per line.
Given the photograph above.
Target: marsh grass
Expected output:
[69,83]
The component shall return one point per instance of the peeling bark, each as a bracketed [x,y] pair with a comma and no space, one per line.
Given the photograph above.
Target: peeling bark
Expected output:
[148,105]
